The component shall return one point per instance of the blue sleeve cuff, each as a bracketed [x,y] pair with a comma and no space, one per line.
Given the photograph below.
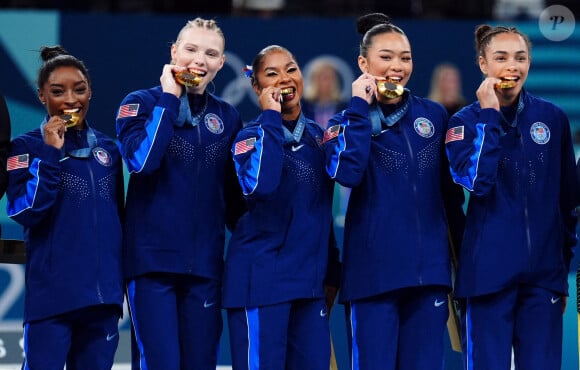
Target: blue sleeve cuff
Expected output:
[490,116]
[170,102]
[271,118]
[359,106]
[51,154]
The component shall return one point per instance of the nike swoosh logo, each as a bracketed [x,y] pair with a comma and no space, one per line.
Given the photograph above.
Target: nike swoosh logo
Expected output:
[438,303]
[110,337]
[206,304]
[323,313]
[554,299]
[297,148]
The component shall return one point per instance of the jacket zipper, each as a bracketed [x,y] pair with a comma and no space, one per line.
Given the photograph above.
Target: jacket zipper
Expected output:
[413,175]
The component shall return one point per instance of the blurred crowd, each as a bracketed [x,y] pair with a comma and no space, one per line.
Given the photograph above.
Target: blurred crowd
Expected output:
[433,9]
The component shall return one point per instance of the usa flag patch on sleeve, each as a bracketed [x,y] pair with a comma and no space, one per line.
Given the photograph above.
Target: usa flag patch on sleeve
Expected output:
[454,134]
[331,133]
[17,161]
[128,110]
[244,146]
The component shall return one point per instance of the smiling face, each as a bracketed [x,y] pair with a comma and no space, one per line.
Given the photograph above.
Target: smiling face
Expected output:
[506,57]
[388,57]
[201,51]
[279,69]
[67,91]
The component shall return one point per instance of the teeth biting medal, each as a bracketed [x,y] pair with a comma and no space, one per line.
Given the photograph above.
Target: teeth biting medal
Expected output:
[505,84]
[70,116]
[187,78]
[284,92]
[390,89]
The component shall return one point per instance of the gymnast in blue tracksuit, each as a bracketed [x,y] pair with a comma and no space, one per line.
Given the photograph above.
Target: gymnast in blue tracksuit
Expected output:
[182,191]
[513,152]
[396,258]
[276,266]
[66,188]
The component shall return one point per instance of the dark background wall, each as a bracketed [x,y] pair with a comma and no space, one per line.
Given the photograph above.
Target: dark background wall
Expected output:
[127,52]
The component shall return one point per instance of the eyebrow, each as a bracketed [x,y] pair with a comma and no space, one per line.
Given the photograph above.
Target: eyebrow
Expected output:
[83,82]
[287,65]
[394,52]
[505,52]
[197,46]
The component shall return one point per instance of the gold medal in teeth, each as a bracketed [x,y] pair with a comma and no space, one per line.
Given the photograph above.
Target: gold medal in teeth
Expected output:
[71,117]
[286,91]
[389,89]
[505,84]
[187,78]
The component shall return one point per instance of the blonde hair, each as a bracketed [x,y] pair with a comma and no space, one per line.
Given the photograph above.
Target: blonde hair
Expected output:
[435,92]
[208,24]
[311,89]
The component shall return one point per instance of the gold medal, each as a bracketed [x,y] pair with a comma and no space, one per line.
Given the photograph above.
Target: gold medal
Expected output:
[71,117]
[389,89]
[187,78]
[505,84]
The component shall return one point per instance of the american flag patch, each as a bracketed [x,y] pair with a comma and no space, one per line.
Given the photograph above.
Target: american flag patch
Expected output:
[244,146]
[454,134]
[17,161]
[128,110]
[331,133]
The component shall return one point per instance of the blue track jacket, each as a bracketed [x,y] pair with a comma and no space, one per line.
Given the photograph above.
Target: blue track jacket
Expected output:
[521,225]
[70,205]
[280,249]
[402,198]
[182,188]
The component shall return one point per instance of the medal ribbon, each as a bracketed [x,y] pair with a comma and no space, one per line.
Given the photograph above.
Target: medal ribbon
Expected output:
[296,135]
[381,123]
[514,123]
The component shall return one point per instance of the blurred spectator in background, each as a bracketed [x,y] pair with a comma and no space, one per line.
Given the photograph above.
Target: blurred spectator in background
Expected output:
[263,8]
[446,87]
[322,99]
[518,9]
[322,93]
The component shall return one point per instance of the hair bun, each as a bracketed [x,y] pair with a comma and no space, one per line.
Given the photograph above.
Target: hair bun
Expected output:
[481,31]
[368,21]
[49,52]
